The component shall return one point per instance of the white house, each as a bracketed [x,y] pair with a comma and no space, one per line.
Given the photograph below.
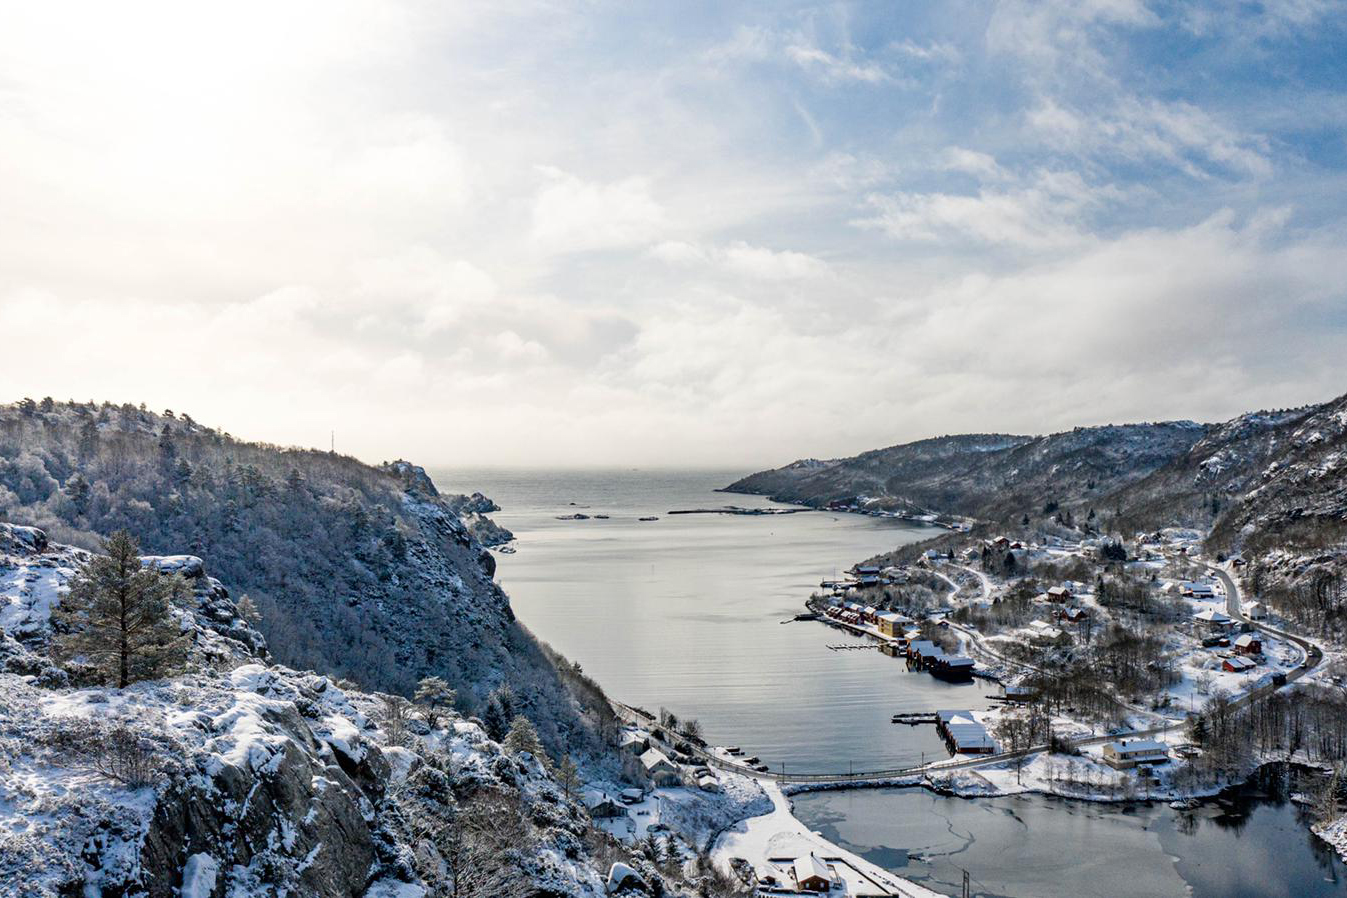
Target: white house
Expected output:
[662,771]
[1126,754]
[1255,610]
[1213,619]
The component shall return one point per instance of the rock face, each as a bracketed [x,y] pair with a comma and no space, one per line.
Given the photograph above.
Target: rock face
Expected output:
[251,780]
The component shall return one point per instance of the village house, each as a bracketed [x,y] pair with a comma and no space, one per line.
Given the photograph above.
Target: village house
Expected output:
[892,624]
[1126,754]
[1238,664]
[601,807]
[1196,590]
[1059,594]
[635,742]
[661,770]
[1255,610]
[1249,644]
[1212,619]
[812,874]
[1072,615]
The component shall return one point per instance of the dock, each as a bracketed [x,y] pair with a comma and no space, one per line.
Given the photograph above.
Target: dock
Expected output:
[913,719]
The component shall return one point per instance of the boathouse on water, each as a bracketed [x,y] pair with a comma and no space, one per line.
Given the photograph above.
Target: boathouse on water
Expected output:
[963,734]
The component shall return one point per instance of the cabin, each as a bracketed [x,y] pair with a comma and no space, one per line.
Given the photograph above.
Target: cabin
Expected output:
[811,873]
[1213,619]
[892,624]
[632,796]
[867,570]
[1237,664]
[1249,644]
[1019,694]
[661,770]
[1126,754]
[1059,594]
[707,782]
[601,807]
[1072,615]
[963,734]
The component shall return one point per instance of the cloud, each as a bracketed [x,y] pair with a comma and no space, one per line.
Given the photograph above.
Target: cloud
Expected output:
[743,260]
[531,233]
[1180,134]
[1048,212]
[571,215]
[835,68]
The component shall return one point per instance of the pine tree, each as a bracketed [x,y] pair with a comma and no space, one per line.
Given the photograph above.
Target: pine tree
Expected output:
[434,695]
[499,712]
[568,775]
[248,610]
[524,738]
[117,615]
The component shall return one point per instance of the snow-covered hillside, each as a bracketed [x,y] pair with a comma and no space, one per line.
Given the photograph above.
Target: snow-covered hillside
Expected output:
[238,779]
[369,573]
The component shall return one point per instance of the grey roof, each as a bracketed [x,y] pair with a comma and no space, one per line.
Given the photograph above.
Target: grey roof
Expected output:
[1134,746]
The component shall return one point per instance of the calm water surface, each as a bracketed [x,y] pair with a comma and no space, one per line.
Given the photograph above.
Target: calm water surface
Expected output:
[1250,843]
[686,612]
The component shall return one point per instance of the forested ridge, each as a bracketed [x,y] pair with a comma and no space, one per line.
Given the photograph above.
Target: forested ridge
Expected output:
[363,572]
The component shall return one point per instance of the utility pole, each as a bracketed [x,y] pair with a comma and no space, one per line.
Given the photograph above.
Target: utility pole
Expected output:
[966,893]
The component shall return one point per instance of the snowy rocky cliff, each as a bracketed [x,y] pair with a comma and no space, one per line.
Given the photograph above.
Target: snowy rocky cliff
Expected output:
[368,573]
[238,779]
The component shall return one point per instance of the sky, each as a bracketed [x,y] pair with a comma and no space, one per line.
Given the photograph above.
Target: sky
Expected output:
[672,234]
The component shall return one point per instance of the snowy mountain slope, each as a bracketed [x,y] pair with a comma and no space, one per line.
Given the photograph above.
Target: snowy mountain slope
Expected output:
[989,476]
[362,572]
[239,779]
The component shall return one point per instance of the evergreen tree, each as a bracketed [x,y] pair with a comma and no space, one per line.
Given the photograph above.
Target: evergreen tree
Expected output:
[77,491]
[248,610]
[568,775]
[522,737]
[434,695]
[499,712]
[118,615]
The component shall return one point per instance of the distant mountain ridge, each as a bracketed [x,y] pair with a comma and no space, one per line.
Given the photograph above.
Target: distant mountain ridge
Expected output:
[1264,476]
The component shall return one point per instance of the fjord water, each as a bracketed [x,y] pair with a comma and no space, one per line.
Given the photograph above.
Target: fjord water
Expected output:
[687,612]
[1250,843]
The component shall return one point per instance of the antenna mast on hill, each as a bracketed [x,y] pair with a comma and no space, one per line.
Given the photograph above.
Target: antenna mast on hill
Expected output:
[333,449]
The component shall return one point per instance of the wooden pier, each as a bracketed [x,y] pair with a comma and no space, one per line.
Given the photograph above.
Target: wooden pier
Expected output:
[913,719]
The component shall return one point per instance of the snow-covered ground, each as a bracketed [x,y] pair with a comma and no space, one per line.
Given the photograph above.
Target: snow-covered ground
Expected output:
[771,842]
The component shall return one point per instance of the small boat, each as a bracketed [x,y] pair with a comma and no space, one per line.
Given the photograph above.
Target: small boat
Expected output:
[751,760]
[761,768]
[649,518]
[733,749]
[600,517]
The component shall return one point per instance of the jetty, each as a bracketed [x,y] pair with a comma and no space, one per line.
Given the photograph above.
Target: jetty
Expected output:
[915,718]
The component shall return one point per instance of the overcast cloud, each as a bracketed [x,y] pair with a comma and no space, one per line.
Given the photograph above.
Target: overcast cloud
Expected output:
[663,234]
